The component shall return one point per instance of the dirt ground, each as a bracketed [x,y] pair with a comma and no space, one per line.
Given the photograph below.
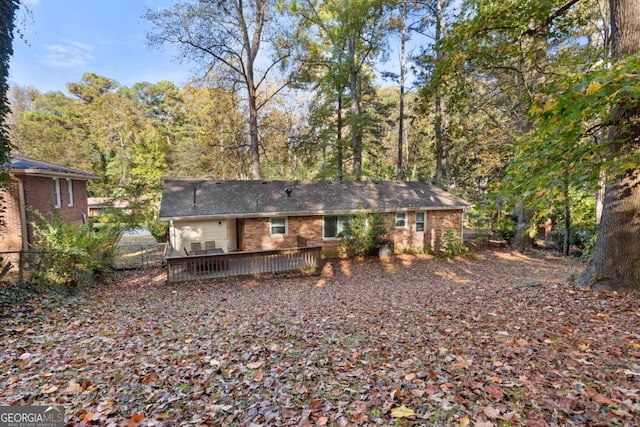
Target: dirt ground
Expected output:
[496,339]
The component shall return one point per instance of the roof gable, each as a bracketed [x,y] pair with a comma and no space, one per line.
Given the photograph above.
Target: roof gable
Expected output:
[183,199]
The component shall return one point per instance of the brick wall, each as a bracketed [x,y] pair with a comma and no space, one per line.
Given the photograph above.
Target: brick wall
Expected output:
[11,231]
[407,238]
[38,194]
[438,222]
[256,235]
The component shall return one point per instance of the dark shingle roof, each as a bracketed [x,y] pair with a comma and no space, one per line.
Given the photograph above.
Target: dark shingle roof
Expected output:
[25,165]
[222,199]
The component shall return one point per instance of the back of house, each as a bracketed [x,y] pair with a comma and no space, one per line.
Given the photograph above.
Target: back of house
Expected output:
[264,215]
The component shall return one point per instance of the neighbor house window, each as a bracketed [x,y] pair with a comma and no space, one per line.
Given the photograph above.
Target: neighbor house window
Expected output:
[278,226]
[401,220]
[70,192]
[56,192]
[419,221]
[334,225]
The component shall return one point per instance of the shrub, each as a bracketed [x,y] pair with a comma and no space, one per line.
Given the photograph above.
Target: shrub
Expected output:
[452,245]
[71,254]
[506,227]
[364,233]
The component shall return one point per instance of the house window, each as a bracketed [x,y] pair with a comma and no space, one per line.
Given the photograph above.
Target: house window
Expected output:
[56,192]
[70,192]
[419,221]
[334,225]
[278,226]
[401,220]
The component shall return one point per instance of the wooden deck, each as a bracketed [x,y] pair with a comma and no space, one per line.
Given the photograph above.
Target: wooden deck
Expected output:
[211,266]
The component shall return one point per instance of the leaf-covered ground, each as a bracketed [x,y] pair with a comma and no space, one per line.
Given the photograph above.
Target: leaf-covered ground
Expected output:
[497,339]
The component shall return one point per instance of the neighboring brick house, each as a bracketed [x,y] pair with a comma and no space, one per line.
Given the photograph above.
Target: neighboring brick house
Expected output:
[43,187]
[264,215]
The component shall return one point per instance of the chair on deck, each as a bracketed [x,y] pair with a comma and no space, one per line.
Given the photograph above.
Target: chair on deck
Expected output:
[210,245]
[196,246]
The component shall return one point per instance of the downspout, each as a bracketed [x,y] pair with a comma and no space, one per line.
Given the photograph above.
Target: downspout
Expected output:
[23,215]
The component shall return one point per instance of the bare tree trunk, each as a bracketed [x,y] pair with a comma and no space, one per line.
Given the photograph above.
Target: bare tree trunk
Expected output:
[254,137]
[356,116]
[521,240]
[251,45]
[439,152]
[340,144]
[567,219]
[403,59]
[615,262]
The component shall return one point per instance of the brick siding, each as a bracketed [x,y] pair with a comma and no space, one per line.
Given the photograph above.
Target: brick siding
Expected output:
[38,194]
[256,234]
[11,230]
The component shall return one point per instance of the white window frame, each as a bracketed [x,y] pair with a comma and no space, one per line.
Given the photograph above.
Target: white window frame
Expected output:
[423,222]
[70,192]
[56,193]
[339,225]
[272,225]
[401,216]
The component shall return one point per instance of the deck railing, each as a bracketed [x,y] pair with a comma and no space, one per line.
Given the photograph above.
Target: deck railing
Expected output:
[198,267]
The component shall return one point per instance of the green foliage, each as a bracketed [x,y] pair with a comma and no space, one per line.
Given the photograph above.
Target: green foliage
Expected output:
[451,244]
[568,141]
[583,222]
[73,254]
[479,217]
[338,42]
[364,233]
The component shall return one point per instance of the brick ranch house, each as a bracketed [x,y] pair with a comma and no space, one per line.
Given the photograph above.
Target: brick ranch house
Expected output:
[265,215]
[44,187]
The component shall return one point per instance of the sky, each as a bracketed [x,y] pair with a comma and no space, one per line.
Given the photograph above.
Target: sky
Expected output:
[63,39]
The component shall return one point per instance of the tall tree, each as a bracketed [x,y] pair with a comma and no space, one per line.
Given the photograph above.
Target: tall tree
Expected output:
[412,17]
[340,40]
[517,49]
[8,10]
[229,37]
[615,263]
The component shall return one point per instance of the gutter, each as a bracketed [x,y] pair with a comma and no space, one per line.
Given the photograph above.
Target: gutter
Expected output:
[48,173]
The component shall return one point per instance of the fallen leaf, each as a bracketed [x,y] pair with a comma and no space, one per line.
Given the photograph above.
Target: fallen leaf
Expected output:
[73,388]
[494,392]
[491,411]
[255,365]
[49,389]
[105,404]
[402,412]
[136,419]
[417,392]
[604,400]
